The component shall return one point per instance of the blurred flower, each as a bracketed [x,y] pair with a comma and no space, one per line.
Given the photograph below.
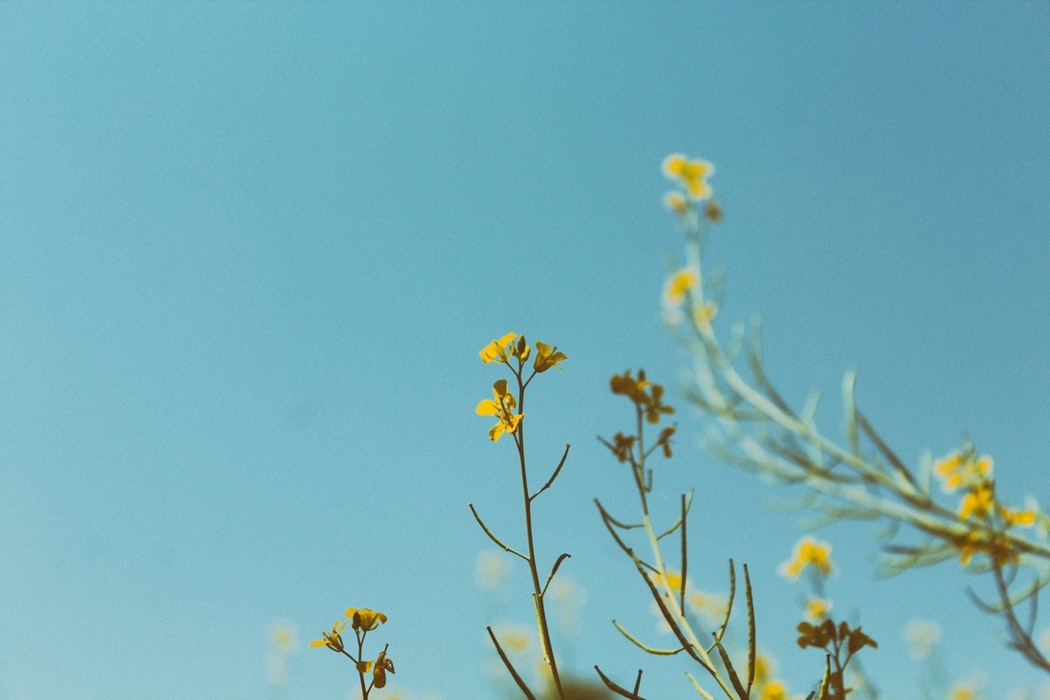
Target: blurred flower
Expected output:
[962,468]
[808,552]
[773,690]
[365,619]
[921,636]
[691,174]
[979,501]
[678,285]
[496,351]
[817,608]
[713,211]
[501,406]
[491,570]
[283,644]
[676,203]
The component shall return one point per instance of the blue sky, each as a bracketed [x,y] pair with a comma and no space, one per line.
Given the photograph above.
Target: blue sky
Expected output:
[249,253]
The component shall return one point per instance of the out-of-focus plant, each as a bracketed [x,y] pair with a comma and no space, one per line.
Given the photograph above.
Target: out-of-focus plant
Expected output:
[858,476]
[361,621]
[678,603]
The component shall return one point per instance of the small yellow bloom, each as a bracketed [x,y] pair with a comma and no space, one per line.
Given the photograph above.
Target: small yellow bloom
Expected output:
[807,552]
[365,619]
[547,357]
[496,351]
[705,313]
[1023,518]
[979,501]
[502,406]
[817,608]
[678,285]
[692,174]
[334,639]
[774,690]
[676,203]
[960,469]
[382,665]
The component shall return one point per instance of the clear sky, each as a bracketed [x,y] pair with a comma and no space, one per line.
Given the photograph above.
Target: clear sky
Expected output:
[249,253]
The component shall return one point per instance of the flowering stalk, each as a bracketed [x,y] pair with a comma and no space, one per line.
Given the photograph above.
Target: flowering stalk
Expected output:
[362,621]
[508,407]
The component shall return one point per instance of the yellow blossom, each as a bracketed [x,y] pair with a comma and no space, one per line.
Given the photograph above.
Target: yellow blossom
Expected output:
[547,357]
[676,203]
[921,636]
[365,619]
[382,665]
[1023,518]
[678,285]
[496,351]
[817,608]
[960,469]
[502,406]
[692,174]
[705,313]
[334,639]
[979,501]
[773,690]
[807,552]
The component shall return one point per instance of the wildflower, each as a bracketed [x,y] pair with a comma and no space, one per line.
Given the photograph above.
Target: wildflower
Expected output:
[817,608]
[979,502]
[502,406]
[705,313]
[651,403]
[692,174]
[496,351]
[547,357]
[678,285]
[365,619]
[921,636]
[808,552]
[774,690]
[961,469]
[676,203]
[334,639]
[1023,518]
[492,570]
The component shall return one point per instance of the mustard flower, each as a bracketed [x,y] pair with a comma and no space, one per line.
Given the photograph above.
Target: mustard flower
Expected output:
[676,203]
[365,619]
[678,285]
[960,469]
[807,552]
[817,608]
[380,668]
[496,351]
[502,406]
[921,636]
[979,501]
[692,174]
[774,690]
[547,357]
[334,639]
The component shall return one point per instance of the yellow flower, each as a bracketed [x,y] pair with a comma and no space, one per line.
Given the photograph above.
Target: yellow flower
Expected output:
[365,619]
[547,357]
[921,636]
[808,552]
[678,285]
[496,351]
[502,406]
[334,639]
[962,469]
[979,501]
[692,174]
[1024,518]
[774,690]
[705,313]
[817,608]
[676,203]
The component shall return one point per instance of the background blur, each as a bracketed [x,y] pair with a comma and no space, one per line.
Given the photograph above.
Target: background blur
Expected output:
[249,253]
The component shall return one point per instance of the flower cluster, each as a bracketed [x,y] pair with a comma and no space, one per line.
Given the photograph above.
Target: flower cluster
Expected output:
[965,470]
[809,553]
[691,176]
[513,350]
[361,621]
